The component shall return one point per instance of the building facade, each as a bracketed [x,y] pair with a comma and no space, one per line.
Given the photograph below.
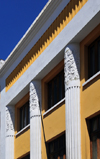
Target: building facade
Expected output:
[50,86]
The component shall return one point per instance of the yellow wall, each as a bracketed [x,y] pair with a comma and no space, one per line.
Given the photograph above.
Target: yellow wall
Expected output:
[22,144]
[53,123]
[90,94]
[56,27]
[22,141]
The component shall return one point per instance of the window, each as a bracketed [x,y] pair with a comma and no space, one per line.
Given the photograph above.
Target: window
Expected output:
[94,125]
[56,89]
[94,58]
[26,157]
[56,148]
[24,115]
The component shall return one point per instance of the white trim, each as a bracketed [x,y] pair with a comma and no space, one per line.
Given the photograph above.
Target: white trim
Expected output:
[35,27]
[22,130]
[53,107]
[90,79]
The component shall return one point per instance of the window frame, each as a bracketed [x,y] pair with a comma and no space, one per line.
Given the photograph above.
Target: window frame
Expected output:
[23,157]
[45,81]
[96,53]
[84,44]
[93,133]
[24,100]
[57,152]
[26,114]
[55,96]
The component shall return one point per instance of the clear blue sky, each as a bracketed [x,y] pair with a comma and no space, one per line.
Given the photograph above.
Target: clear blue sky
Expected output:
[16,16]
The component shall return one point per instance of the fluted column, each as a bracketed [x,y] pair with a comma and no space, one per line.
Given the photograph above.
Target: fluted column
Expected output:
[35,120]
[72,101]
[10,121]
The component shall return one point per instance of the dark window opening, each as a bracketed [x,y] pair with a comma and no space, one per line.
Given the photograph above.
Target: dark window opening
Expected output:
[56,148]
[94,127]
[94,58]
[24,115]
[56,90]
[26,157]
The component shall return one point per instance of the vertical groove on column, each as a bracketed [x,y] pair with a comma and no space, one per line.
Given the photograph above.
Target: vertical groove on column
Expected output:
[66,108]
[71,104]
[75,120]
[79,135]
[10,121]
[72,100]
[73,123]
[35,120]
[69,126]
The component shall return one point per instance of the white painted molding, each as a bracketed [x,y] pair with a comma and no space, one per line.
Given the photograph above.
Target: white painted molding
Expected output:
[35,120]
[72,101]
[90,79]
[19,132]
[1,63]
[56,105]
[10,124]
[35,27]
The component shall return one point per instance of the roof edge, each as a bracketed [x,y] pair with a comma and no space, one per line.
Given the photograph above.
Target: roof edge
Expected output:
[43,15]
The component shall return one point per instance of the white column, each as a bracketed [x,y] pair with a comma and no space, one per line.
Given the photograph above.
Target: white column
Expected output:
[35,120]
[72,101]
[10,122]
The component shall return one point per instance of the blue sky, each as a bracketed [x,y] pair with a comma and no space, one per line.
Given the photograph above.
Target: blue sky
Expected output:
[16,16]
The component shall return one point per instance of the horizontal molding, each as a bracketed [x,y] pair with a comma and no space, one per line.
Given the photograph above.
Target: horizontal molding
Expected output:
[31,32]
[90,79]
[55,28]
[22,130]
[56,105]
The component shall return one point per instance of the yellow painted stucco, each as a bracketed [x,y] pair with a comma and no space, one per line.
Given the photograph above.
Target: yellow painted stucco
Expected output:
[55,28]
[22,140]
[90,94]
[53,123]
[22,144]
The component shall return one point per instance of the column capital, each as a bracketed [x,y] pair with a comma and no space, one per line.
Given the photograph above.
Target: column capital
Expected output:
[10,120]
[72,65]
[35,98]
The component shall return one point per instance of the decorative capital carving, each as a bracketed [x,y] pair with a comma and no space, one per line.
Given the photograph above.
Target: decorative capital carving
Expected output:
[9,119]
[34,97]
[72,65]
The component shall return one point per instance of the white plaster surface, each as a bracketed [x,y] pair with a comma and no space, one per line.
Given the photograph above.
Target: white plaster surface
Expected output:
[52,51]
[36,30]
[35,120]
[82,24]
[10,125]
[72,101]
[1,63]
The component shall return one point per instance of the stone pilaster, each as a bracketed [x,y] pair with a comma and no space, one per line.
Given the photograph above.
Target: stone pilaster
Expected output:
[10,122]
[35,120]
[72,101]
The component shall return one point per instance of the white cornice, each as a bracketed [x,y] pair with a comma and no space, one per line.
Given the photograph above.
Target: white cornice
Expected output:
[30,33]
